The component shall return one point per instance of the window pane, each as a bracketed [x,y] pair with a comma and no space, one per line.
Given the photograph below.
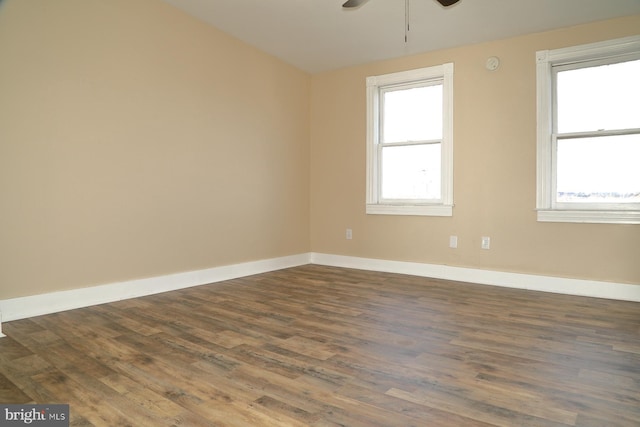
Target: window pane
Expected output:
[412,114]
[602,97]
[411,172]
[599,170]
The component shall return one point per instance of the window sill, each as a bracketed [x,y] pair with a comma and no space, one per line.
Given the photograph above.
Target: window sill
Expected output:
[594,217]
[416,210]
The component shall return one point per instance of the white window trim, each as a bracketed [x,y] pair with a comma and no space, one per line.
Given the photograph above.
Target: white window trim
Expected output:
[445,208]
[545,60]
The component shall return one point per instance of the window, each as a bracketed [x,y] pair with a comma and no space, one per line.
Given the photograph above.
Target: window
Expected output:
[409,142]
[589,133]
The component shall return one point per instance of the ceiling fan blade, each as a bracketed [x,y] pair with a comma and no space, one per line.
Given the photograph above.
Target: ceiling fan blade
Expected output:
[354,3]
[446,3]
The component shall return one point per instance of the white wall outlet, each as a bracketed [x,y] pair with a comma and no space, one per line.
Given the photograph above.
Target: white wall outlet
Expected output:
[486,242]
[349,234]
[453,241]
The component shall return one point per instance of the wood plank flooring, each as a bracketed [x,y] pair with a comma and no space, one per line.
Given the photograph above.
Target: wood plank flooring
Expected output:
[321,346]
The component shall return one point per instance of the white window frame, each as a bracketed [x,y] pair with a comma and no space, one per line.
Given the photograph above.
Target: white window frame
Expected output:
[546,60]
[375,84]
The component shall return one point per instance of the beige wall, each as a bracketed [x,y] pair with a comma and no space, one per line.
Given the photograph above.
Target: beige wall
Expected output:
[494,176]
[136,141]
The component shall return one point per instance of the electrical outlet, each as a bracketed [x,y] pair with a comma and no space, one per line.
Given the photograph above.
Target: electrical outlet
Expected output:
[486,242]
[349,234]
[453,242]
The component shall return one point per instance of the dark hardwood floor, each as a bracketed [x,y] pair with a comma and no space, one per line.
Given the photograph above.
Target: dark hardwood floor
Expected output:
[321,346]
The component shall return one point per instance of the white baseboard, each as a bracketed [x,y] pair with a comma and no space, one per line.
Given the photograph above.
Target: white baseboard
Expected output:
[559,285]
[36,305]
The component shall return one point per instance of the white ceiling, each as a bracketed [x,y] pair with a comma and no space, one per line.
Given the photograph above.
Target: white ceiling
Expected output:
[318,35]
